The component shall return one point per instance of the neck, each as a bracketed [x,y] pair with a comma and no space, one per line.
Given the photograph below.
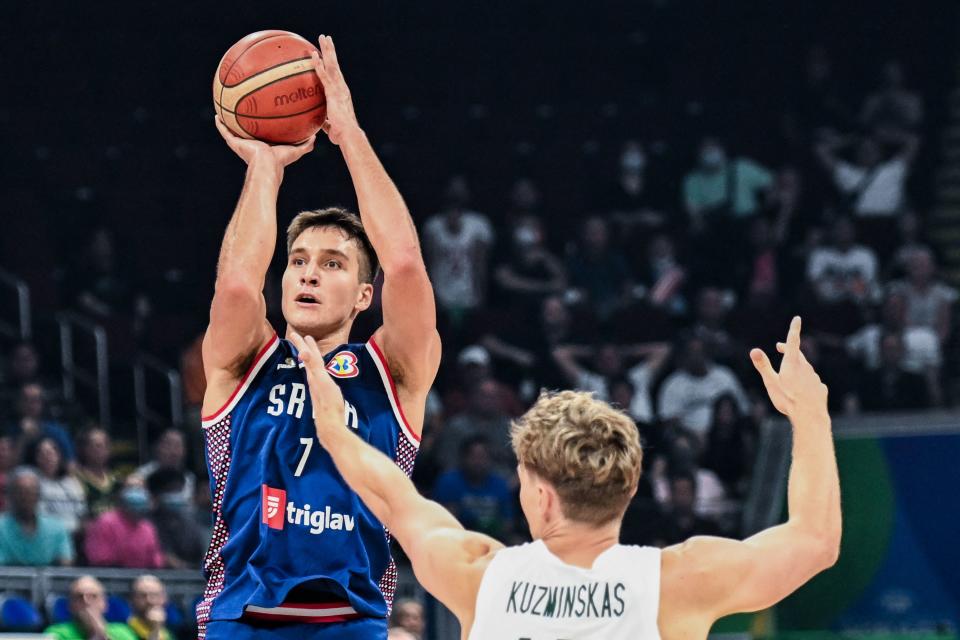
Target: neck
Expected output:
[28,519]
[580,544]
[328,341]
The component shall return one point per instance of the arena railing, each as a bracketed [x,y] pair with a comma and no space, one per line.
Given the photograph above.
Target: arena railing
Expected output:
[20,328]
[97,379]
[146,415]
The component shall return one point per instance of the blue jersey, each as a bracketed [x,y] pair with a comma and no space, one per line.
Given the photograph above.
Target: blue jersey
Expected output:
[284,517]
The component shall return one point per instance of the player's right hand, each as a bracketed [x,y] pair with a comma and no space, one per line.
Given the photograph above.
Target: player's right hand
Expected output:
[796,387]
[279,155]
[325,395]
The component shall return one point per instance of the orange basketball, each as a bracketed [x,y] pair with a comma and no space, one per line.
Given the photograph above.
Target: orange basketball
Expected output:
[265,88]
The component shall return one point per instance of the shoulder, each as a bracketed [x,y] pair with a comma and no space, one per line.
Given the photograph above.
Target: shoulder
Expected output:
[120,631]
[62,630]
[50,525]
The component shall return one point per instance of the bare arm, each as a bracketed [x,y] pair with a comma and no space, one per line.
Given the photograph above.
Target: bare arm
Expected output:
[714,577]
[496,346]
[238,321]
[409,334]
[448,560]
[566,358]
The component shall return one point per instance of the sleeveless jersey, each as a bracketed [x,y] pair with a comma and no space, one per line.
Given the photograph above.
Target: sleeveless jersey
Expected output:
[527,593]
[284,517]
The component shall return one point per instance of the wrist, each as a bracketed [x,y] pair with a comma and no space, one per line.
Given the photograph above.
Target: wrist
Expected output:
[352,137]
[264,166]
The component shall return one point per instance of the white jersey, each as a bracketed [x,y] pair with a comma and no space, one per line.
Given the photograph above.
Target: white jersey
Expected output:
[527,593]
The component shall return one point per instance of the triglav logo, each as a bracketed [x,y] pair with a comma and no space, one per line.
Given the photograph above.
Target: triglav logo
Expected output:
[277,513]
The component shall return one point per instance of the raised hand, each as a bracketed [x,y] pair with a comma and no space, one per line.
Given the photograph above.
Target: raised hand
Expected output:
[279,155]
[796,387]
[341,119]
[324,392]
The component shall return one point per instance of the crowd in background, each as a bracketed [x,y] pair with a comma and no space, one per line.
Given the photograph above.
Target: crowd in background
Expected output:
[650,300]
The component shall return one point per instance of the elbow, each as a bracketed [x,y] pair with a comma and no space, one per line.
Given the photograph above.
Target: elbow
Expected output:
[828,548]
[406,263]
[237,286]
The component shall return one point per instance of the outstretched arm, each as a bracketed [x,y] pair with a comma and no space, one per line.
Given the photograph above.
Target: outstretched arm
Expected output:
[448,560]
[409,335]
[238,319]
[714,577]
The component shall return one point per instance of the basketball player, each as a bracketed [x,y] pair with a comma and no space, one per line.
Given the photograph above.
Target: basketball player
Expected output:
[579,466]
[294,552]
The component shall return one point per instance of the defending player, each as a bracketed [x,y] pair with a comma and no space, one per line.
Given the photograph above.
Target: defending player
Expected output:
[579,467]
[294,553]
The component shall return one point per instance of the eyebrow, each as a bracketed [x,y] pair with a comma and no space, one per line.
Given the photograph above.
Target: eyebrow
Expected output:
[328,252]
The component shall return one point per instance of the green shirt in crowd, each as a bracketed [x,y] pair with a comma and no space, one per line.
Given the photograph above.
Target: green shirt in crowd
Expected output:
[70,631]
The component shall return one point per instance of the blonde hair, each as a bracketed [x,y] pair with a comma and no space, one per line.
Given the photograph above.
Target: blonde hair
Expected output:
[589,451]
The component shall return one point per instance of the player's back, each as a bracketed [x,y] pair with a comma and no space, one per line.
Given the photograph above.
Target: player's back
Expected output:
[529,593]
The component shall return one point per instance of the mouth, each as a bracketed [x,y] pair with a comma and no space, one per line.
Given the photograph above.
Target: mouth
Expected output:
[306,300]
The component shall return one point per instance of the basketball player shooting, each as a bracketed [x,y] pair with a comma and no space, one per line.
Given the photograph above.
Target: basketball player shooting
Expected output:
[294,552]
[579,466]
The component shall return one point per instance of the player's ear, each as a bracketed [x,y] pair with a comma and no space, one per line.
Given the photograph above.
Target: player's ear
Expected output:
[364,297]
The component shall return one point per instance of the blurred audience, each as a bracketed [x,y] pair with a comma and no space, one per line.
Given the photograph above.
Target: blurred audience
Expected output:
[88,606]
[124,535]
[28,537]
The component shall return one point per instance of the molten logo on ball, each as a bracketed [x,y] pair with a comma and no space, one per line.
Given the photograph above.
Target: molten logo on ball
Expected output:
[298,95]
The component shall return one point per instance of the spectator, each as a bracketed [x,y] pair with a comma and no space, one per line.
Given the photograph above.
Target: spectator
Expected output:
[8,461]
[32,422]
[483,418]
[892,107]
[93,469]
[28,537]
[181,538]
[875,186]
[720,188]
[688,394]
[529,272]
[123,536]
[731,446]
[457,243]
[524,200]
[663,276]
[148,598]
[61,495]
[710,325]
[633,200]
[170,450]
[408,615]
[473,367]
[921,346]
[819,101]
[891,387]
[681,521]
[23,368]
[844,271]
[761,283]
[598,271]
[478,497]
[608,366]
[909,243]
[97,284]
[88,605]
[929,302]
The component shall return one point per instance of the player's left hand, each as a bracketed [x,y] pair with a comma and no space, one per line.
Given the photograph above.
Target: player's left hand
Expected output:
[341,119]
[324,392]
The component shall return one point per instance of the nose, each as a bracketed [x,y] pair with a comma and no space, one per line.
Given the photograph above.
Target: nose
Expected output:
[310,275]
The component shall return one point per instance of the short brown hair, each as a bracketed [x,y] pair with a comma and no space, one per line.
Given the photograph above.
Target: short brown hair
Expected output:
[589,451]
[344,220]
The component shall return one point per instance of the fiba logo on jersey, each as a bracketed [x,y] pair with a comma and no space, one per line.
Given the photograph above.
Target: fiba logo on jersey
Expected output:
[343,365]
[274,502]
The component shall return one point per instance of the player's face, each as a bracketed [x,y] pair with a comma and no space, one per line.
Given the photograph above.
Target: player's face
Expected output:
[322,291]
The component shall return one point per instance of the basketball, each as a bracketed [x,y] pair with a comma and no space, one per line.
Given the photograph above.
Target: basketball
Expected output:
[265,87]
